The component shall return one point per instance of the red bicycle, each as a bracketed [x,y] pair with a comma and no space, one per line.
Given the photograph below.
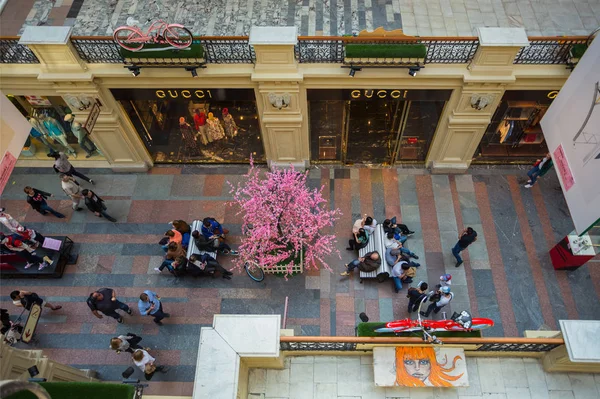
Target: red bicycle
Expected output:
[458,322]
[132,38]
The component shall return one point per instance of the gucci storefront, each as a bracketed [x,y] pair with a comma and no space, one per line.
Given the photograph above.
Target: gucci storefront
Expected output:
[373,126]
[195,125]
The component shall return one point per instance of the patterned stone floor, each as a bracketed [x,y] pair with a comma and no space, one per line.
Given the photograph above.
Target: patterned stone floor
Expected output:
[507,275]
[313,17]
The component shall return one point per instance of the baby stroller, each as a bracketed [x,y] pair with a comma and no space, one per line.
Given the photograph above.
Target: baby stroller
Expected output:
[12,330]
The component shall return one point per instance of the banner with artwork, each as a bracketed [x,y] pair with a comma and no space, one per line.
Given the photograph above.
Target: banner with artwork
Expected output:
[420,366]
[572,131]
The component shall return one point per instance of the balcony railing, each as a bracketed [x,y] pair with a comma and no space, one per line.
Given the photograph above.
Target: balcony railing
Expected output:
[11,52]
[217,50]
[345,344]
[440,50]
[549,50]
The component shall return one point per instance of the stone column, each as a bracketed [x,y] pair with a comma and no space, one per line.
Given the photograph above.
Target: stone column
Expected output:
[470,109]
[281,107]
[113,133]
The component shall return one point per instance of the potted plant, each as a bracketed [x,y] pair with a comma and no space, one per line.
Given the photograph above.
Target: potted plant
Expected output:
[385,53]
[285,222]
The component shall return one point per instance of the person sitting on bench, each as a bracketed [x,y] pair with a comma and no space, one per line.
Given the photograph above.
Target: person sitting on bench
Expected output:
[371,261]
[204,264]
[212,244]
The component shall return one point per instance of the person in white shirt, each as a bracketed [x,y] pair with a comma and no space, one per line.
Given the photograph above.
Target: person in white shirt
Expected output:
[370,225]
[72,189]
[390,242]
[445,296]
[145,362]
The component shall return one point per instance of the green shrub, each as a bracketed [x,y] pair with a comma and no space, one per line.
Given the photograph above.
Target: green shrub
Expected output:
[194,51]
[386,50]
[79,390]
[368,330]
[578,49]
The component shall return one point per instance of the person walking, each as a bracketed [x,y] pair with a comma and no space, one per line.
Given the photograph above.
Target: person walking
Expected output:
[125,343]
[62,165]
[105,300]
[466,238]
[150,305]
[439,299]
[37,199]
[26,299]
[415,295]
[145,362]
[8,221]
[96,204]
[540,168]
[72,189]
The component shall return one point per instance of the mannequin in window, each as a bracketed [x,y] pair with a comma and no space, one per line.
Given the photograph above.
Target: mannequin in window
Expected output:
[57,132]
[82,137]
[39,131]
[230,127]
[200,124]
[188,137]
[214,128]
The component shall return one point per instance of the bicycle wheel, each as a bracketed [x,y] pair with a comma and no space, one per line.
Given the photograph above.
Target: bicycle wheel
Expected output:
[178,36]
[254,272]
[128,38]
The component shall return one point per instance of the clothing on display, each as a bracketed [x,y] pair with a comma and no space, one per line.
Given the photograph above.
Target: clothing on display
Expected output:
[188,136]
[40,132]
[200,124]
[231,128]
[214,129]
[58,133]
[81,134]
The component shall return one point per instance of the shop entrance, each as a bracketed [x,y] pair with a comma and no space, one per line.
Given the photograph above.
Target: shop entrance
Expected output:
[380,127]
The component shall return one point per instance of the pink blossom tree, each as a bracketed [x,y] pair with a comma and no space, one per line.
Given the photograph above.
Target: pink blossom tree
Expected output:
[281,218]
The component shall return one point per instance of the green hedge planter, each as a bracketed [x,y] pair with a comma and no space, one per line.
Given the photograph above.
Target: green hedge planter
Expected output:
[79,390]
[578,49]
[381,51]
[368,330]
[195,51]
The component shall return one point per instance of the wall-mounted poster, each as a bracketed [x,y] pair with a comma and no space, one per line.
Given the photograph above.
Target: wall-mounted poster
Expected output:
[38,101]
[420,366]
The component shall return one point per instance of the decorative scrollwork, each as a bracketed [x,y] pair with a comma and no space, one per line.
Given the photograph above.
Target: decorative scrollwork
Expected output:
[318,346]
[228,51]
[320,51]
[450,51]
[98,51]
[11,52]
[517,347]
[547,51]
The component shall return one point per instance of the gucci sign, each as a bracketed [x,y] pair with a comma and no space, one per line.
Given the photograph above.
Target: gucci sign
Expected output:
[369,93]
[183,93]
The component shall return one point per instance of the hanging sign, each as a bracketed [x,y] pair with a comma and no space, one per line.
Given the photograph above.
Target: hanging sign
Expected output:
[31,323]
[92,118]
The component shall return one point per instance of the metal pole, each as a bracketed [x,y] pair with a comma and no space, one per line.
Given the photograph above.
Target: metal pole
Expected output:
[285,308]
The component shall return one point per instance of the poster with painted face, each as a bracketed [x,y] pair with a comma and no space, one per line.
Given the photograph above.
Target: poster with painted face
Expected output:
[413,366]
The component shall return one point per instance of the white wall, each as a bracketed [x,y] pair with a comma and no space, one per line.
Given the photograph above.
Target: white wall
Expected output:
[561,123]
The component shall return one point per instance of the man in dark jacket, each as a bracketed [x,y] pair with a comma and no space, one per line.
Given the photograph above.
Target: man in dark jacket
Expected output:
[466,238]
[37,199]
[204,264]
[96,204]
[212,244]
[416,295]
[26,300]
[371,261]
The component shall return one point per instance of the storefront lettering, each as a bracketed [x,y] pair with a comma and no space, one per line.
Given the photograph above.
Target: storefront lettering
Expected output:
[552,94]
[356,94]
[184,93]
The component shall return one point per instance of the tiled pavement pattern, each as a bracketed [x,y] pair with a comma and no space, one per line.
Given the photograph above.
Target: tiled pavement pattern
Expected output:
[351,377]
[507,274]
[321,17]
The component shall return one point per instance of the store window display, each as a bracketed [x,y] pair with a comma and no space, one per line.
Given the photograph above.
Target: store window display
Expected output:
[53,128]
[200,125]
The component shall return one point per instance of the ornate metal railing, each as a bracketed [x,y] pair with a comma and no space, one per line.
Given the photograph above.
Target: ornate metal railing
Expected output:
[217,50]
[97,49]
[548,50]
[227,50]
[471,344]
[440,50]
[11,52]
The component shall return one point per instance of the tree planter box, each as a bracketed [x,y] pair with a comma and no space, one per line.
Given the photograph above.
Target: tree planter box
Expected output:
[282,268]
[385,53]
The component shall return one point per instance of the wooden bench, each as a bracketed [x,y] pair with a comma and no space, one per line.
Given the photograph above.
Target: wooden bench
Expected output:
[192,249]
[375,244]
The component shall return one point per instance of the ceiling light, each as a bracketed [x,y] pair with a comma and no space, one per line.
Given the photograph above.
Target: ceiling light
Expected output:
[192,70]
[353,70]
[412,71]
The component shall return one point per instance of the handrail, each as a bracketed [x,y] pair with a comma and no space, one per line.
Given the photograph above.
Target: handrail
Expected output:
[413,340]
[349,39]
[195,37]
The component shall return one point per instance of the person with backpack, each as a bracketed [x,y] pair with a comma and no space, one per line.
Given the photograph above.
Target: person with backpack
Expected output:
[439,299]
[26,300]
[415,295]
[540,168]
[96,204]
